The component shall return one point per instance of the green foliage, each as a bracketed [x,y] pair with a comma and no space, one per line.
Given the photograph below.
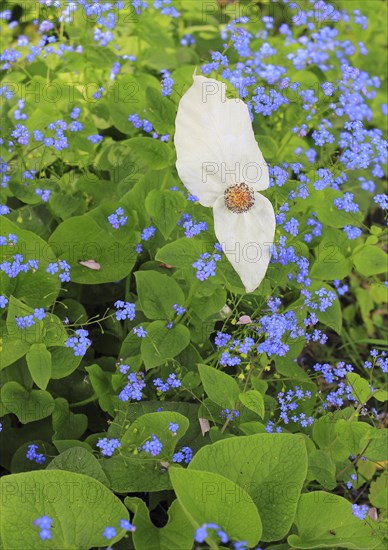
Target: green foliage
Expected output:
[93,351]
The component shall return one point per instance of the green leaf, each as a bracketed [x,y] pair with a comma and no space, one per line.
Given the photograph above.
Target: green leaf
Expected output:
[267,145]
[161,111]
[80,461]
[127,413]
[370,260]
[177,533]
[64,362]
[153,153]
[354,435]
[28,406]
[76,503]
[135,475]
[327,213]
[322,468]
[157,423]
[165,207]
[219,386]
[332,316]
[162,343]
[35,288]
[326,437]
[270,467]
[67,425]
[181,253]
[39,365]
[377,450]
[360,387]
[325,520]
[91,237]
[330,263]
[379,491]
[157,294]
[204,306]
[102,385]
[208,497]
[254,401]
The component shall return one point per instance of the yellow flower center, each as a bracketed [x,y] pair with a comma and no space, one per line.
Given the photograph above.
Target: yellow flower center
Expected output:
[239,198]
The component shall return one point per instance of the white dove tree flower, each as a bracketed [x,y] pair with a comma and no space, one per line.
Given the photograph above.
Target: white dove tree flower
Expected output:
[219,161]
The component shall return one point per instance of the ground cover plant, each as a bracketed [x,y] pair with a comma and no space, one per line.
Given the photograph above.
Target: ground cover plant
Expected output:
[152,395]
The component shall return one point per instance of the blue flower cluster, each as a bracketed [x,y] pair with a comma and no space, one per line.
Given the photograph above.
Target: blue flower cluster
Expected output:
[134,387]
[207,263]
[201,533]
[289,402]
[44,524]
[146,235]
[179,309]
[61,266]
[154,447]
[192,227]
[110,532]
[108,446]
[229,414]
[184,455]
[360,511]
[140,332]
[336,375]
[125,310]
[31,454]
[80,342]
[118,219]
[173,427]
[171,382]
[30,320]
[379,359]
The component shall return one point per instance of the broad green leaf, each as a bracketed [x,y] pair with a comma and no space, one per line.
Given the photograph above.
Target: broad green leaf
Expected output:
[207,497]
[370,260]
[135,475]
[67,425]
[79,505]
[181,253]
[80,461]
[270,467]
[37,288]
[324,520]
[28,406]
[204,306]
[39,365]
[165,208]
[162,343]
[332,316]
[127,413]
[177,533]
[377,450]
[360,387]
[354,435]
[91,237]
[327,213]
[322,468]
[219,386]
[160,111]
[378,493]
[153,153]
[157,294]
[102,385]
[64,362]
[156,423]
[254,401]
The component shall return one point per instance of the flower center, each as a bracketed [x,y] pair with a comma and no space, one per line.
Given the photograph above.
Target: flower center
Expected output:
[239,198]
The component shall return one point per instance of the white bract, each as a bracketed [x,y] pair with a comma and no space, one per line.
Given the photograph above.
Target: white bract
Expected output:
[219,161]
